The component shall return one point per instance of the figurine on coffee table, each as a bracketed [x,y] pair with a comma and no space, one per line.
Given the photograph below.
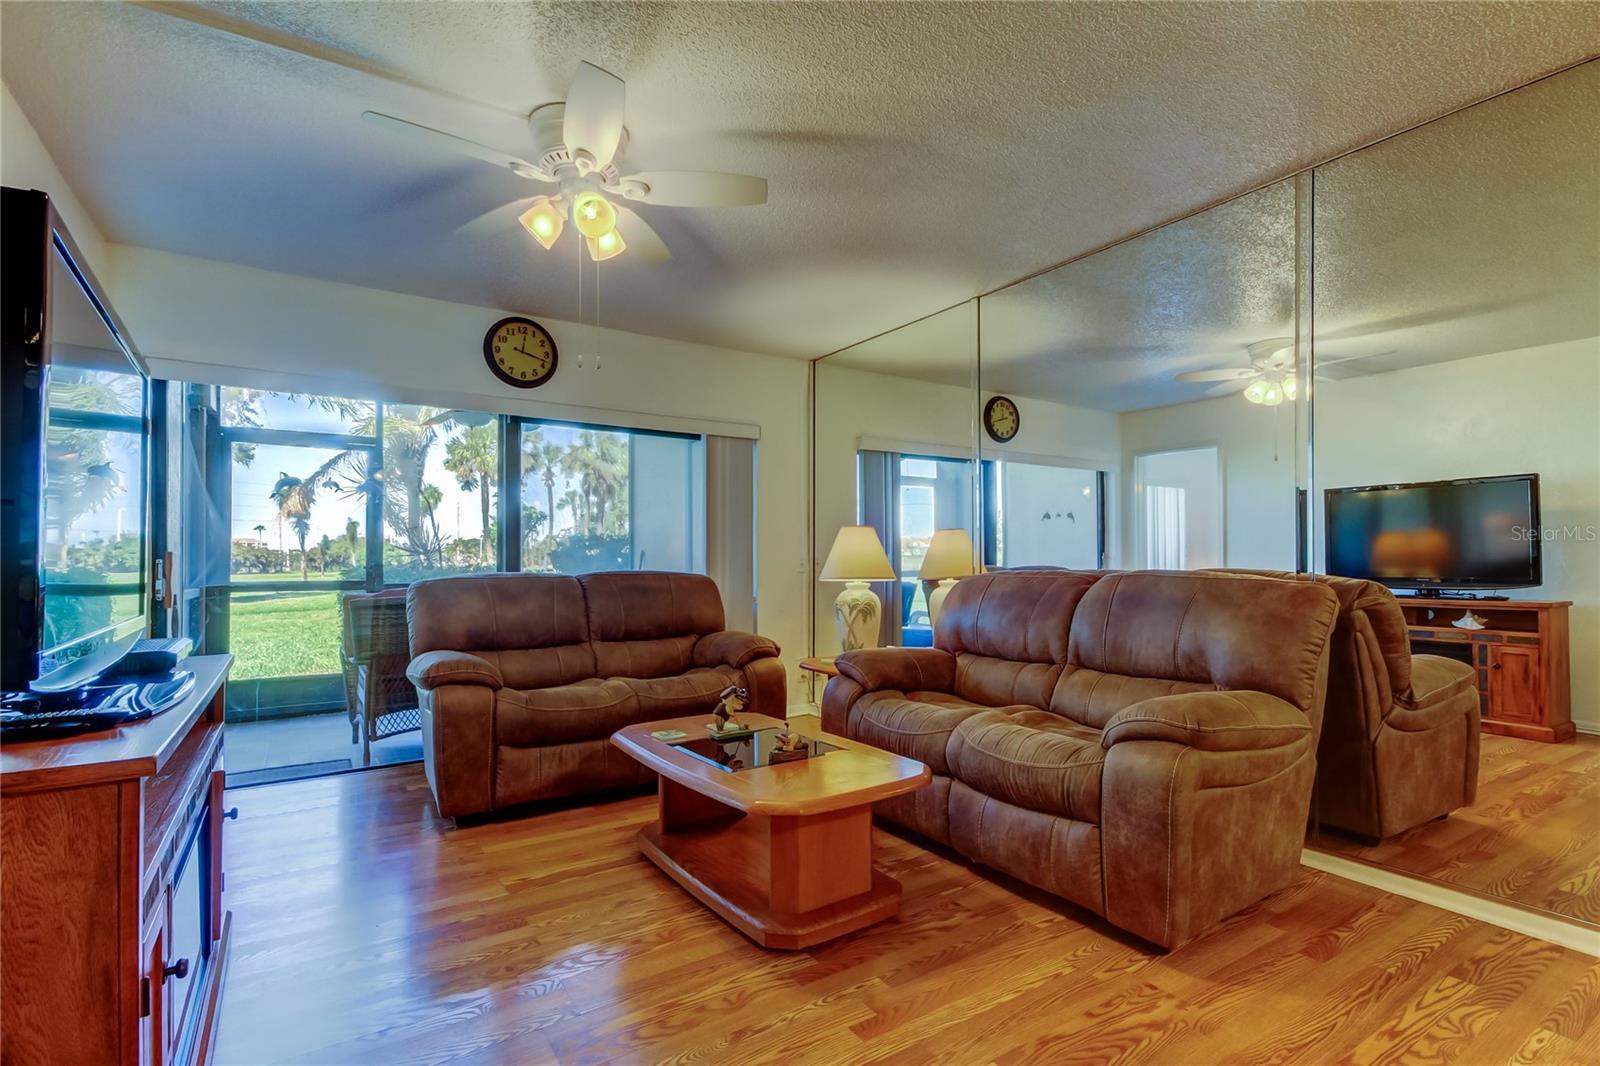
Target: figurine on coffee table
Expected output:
[726,723]
[788,746]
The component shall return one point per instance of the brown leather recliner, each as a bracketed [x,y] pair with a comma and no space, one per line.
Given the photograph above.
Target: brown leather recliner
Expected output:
[524,677]
[1142,744]
[1400,735]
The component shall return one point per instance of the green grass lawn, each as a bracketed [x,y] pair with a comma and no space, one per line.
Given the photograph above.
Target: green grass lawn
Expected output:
[283,634]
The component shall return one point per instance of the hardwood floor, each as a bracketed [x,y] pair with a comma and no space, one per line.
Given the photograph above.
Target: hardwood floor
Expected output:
[366,931]
[1532,837]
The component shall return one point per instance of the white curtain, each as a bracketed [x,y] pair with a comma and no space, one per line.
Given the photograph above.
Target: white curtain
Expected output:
[1164,528]
[731,526]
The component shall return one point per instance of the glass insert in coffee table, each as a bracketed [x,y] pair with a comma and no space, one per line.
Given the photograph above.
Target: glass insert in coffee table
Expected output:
[746,752]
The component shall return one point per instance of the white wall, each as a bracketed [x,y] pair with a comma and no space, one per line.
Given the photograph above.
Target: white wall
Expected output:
[25,164]
[1535,410]
[1258,471]
[1067,494]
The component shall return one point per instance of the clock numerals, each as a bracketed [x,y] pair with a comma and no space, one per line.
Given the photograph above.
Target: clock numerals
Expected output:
[520,352]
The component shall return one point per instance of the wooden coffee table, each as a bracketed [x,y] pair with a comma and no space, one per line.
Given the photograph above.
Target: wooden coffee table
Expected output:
[783,853]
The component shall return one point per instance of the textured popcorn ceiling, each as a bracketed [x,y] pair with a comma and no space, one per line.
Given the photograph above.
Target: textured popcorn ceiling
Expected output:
[1476,234]
[917,154]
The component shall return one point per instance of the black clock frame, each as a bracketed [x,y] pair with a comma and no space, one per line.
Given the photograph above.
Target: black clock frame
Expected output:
[988,424]
[495,368]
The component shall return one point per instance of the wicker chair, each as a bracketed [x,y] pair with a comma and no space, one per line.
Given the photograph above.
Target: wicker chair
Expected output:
[379,699]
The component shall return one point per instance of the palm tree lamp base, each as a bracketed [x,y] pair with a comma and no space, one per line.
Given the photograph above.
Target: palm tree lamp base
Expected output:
[857,614]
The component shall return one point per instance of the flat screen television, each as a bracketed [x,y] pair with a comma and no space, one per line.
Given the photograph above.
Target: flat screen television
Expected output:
[74,464]
[1471,533]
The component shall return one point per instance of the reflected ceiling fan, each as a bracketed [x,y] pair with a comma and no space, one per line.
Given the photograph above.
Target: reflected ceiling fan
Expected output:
[1268,380]
[575,148]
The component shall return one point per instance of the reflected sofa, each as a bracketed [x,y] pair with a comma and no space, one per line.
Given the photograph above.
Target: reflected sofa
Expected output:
[522,678]
[1140,743]
[1400,734]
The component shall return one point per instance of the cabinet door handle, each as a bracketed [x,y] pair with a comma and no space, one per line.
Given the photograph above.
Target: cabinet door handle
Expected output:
[231,813]
[1494,666]
[179,969]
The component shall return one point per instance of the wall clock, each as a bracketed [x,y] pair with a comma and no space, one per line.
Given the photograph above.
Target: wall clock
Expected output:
[520,352]
[1001,420]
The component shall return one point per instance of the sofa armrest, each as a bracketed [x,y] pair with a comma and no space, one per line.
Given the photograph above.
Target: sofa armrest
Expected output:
[432,669]
[732,648]
[1434,679]
[899,669]
[1210,721]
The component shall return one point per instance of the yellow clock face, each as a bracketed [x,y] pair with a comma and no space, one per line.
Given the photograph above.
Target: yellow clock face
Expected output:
[1001,419]
[520,352]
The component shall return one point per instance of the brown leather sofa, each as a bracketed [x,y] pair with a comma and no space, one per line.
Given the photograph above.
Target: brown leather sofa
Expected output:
[524,677]
[1400,734]
[1139,743]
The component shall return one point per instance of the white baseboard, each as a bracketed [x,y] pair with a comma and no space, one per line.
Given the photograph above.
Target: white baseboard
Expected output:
[1547,927]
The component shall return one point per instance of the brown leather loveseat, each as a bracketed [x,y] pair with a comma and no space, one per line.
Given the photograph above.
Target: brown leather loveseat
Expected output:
[1400,734]
[1140,743]
[524,677]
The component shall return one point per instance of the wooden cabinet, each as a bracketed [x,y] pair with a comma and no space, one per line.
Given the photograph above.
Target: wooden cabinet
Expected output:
[1521,657]
[111,919]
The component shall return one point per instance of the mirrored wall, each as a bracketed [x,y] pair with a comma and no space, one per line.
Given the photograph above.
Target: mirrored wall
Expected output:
[1349,372]
[1457,282]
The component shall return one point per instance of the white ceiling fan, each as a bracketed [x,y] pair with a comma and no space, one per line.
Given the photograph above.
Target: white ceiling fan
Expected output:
[1269,380]
[575,147]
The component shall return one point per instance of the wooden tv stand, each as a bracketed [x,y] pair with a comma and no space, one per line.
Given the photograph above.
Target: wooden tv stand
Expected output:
[111,919]
[1522,658]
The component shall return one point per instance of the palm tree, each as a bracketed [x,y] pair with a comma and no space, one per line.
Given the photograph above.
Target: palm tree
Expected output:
[429,497]
[261,532]
[545,458]
[572,500]
[473,457]
[294,497]
[323,547]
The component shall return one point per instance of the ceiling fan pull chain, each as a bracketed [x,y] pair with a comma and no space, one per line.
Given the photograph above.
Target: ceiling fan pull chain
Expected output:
[580,298]
[597,315]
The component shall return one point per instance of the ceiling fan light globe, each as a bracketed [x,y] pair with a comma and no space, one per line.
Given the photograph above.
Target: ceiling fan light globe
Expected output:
[606,246]
[1256,391]
[1289,387]
[593,215]
[544,221]
[1273,396]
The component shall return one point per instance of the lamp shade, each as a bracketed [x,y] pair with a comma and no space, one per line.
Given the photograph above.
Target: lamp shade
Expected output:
[857,555]
[949,555]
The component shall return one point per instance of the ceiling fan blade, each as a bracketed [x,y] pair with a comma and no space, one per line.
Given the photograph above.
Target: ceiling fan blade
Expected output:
[439,141]
[1235,374]
[643,242]
[695,188]
[592,121]
[1227,388]
[496,220]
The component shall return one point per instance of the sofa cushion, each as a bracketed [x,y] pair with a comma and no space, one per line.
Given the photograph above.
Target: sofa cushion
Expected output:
[591,709]
[644,658]
[1020,616]
[651,604]
[1032,759]
[686,693]
[532,628]
[914,724]
[1093,696]
[1209,628]
[998,682]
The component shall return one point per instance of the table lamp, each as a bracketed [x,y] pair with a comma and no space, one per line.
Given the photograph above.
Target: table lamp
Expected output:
[857,557]
[949,557]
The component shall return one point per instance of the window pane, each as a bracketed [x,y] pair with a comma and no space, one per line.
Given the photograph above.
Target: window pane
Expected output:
[292,410]
[283,634]
[298,513]
[596,499]
[92,533]
[441,471]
